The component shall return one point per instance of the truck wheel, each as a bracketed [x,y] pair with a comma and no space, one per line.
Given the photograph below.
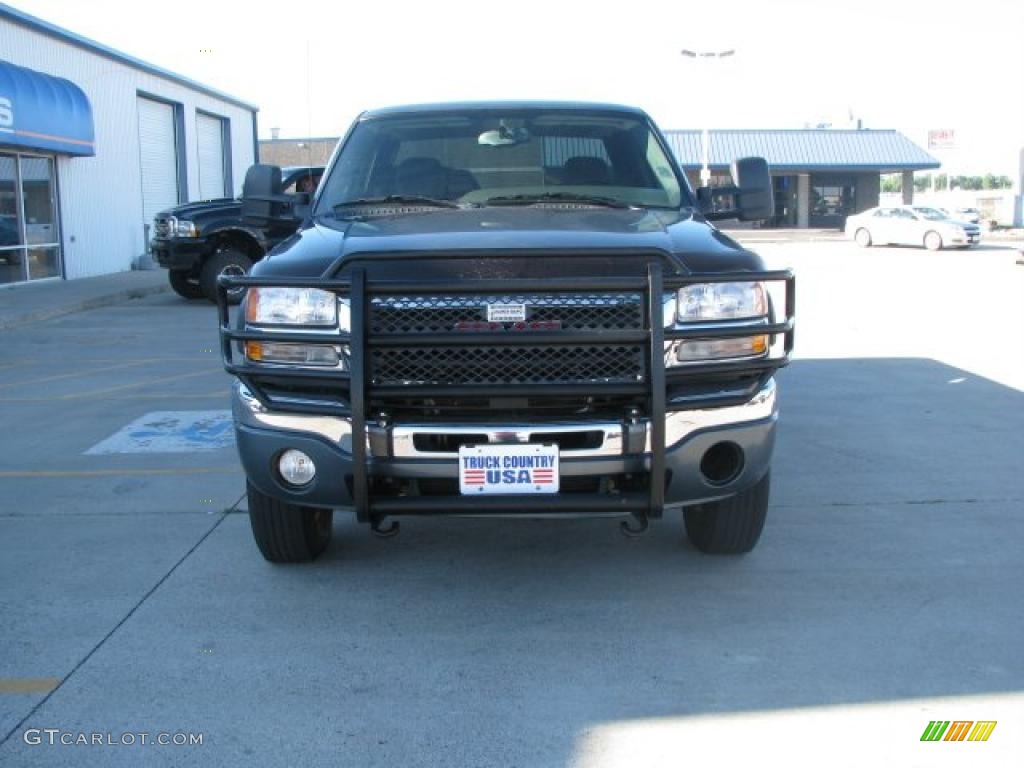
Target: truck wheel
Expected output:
[933,241]
[228,261]
[288,533]
[863,238]
[731,526]
[184,285]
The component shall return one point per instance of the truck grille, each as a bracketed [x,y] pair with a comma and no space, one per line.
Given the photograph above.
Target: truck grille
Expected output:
[440,314]
[526,364]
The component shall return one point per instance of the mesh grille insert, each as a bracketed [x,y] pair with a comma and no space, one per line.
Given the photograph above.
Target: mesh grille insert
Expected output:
[528,364]
[440,314]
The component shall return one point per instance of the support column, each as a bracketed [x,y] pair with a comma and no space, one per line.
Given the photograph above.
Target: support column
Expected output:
[803,200]
[908,187]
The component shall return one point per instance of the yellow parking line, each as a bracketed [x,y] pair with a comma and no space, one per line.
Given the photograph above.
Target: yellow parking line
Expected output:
[147,382]
[58,377]
[117,472]
[28,684]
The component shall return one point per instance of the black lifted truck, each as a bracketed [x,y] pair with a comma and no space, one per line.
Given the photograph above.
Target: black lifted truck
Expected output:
[198,242]
[507,309]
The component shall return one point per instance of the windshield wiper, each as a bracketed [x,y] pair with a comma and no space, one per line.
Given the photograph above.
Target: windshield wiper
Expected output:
[397,199]
[568,197]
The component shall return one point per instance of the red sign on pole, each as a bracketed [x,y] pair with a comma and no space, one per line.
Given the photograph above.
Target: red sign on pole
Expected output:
[942,138]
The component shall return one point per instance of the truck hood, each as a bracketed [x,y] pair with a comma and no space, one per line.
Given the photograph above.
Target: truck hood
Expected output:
[581,241]
[205,209]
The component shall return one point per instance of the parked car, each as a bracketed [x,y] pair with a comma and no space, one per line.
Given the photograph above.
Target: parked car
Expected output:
[198,242]
[971,215]
[911,225]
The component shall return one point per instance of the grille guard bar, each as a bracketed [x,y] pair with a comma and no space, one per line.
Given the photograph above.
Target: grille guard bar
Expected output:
[359,290]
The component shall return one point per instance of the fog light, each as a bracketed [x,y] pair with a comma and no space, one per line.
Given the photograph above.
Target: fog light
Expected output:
[296,467]
[720,349]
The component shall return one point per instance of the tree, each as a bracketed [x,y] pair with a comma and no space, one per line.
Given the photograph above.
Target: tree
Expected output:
[892,183]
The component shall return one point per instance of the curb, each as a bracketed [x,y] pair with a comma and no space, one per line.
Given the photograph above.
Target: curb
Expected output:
[84,305]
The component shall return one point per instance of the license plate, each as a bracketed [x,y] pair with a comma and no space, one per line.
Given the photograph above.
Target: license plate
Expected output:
[508,469]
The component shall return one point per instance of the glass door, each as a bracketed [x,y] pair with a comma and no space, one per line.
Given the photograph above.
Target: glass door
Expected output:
[39,206]
[29,232]
[12,254]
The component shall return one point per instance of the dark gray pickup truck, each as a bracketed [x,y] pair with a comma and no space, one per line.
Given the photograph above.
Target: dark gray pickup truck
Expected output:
[200,241]
[507,309]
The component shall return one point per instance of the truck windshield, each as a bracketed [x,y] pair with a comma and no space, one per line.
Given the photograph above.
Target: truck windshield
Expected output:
[510,157]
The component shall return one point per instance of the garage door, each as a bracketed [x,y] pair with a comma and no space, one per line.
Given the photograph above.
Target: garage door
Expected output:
[209,131]
[158,157]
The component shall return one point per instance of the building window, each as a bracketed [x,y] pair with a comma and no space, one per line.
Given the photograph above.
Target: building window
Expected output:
[833,198]
[29,232]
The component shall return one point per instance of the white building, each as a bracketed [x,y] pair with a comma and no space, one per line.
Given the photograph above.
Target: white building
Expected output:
[94,142]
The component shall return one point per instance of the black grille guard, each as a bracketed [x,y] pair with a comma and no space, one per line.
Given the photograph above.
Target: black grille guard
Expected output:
[658,381]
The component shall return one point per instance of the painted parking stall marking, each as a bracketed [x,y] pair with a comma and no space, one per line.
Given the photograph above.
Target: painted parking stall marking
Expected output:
[171,432]
[508,469]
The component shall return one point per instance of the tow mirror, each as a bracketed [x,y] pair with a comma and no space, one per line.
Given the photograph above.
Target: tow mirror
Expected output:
[748,198]
[755,201]
[263,204]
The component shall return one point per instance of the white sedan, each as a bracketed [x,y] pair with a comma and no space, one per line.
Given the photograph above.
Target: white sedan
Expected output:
[911,225]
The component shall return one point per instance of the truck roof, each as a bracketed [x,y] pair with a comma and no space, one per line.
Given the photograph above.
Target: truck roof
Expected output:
[463,106]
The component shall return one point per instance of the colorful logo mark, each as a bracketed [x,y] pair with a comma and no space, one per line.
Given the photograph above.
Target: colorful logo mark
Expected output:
[958,730]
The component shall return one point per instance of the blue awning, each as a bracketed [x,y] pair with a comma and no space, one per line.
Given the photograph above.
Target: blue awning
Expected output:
[40,111]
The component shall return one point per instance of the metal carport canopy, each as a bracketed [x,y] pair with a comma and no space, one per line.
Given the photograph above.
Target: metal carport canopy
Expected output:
[805,151]
[39,111]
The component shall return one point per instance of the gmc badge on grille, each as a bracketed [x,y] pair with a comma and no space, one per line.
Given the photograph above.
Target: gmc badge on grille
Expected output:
[506,313]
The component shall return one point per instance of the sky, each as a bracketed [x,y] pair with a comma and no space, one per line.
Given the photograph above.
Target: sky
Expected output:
[311,67]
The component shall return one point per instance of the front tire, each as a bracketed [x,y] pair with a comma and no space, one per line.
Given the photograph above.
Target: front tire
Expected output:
[933,241]
[184,284]
[862,238]
[228,261]
[731,526]
[288,533]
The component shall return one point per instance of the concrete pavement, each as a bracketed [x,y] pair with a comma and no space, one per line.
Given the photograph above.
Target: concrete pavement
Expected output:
[33,302]
[883,595]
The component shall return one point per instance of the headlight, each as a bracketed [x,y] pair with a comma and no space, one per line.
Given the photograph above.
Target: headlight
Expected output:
[292,306]
[705,302]
[184,229]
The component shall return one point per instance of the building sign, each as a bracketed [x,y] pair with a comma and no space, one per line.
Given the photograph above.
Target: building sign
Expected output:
[942,138]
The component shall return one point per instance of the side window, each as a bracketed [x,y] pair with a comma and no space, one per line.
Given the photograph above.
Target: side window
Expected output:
[883,213]
[659,163]
[302,183]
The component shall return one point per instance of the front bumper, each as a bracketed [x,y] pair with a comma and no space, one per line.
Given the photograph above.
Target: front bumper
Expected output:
[263,434]
[179,253]
[965,238]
